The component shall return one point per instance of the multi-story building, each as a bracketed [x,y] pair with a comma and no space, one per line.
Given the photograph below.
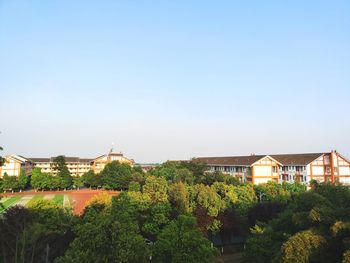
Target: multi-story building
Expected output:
[100,162]
[14,164]
[253,168]
[76,166]
[331,166]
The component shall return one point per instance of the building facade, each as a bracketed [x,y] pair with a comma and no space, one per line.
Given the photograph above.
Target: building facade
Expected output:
[14,164]
[100,162]
[76,166]
[323,167]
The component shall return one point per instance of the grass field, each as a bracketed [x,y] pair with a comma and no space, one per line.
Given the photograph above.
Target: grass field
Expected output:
[9,201]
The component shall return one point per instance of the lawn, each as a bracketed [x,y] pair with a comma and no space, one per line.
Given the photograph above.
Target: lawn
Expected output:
[12,200]
[8,201]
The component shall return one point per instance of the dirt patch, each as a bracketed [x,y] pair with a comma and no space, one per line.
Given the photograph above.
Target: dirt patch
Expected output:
[81,197]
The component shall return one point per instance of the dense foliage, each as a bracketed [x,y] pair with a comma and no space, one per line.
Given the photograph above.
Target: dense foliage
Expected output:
[177,213]
[313,227]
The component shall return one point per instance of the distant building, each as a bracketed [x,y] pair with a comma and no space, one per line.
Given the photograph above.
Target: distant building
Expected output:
[14,164]
[323,167]
[76,166]
[253,168]
[100,162]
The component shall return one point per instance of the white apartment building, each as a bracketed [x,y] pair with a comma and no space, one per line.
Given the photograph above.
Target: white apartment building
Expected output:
[76,166]
[329,166]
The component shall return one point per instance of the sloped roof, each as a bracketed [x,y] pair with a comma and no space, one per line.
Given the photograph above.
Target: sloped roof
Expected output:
[231,160]
[296,159]
[40,160]
[67,159]
[86,160]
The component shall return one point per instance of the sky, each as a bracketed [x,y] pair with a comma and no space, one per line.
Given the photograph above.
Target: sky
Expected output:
[169,80]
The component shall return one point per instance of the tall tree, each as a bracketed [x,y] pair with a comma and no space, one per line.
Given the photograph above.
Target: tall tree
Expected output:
[116,175]
[156,189]
[179,198]
[63,172]
[22,179]
[90,179]
[181,241]
[2,160]
[10,182]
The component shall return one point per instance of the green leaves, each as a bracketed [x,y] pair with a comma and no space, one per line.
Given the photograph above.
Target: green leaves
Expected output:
[303,247]
[181,242]
[116,175]
[156,189]
[314,227]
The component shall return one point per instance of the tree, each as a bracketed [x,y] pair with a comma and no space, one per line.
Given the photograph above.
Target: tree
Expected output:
[264,212]
[90,179]
[156,189]
[181,241]
[197,168]
[22,179]
[103,199]
[26,233]
[108,235]
[40,180]
[183,175]
[207,198]
[303,247]
[246,198]
[2,160]
[157,217]
[179,198]
[272,191]
[62,172]
[10,182]
[294,188]
[65,177]
[135,187]
[78,181]
[116,175]
[346,258]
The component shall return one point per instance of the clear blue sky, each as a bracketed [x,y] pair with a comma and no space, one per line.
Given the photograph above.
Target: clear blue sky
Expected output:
[174,79]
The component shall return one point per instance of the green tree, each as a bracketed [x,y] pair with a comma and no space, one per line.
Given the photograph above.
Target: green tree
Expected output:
[62,172]
[135,187]
[246,198]
[272,191]
[2,160]
[26,233]
[184,175]
[179,198]
[303,247]
[156,189]
[42,181]
[181,241]
[346,258]
[157,217]
[108,235]
[78,181]
[116,175]
[22,179]
[207,198]
[90,179]
[10,182]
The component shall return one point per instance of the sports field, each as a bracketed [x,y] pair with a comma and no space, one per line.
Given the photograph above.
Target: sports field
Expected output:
[75,199]
[8,201]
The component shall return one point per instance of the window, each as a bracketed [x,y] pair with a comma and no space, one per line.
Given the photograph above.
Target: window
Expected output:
[274,169]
